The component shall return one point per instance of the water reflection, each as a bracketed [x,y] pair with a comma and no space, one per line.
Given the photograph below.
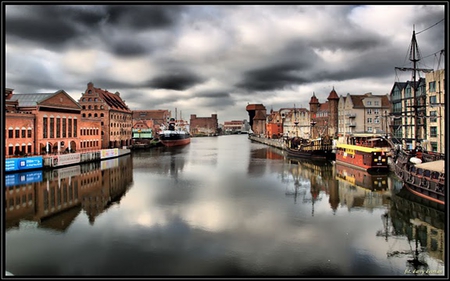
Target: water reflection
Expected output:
[63,193]
[420,227]
[220,206]
[360,189]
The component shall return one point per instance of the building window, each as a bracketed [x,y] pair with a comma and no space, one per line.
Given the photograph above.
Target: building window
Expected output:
[377,103]
[70,128]
[64,128]
[369,129]
[58,127]
[29,149]
[433,116]
[45,127]
[369,120]
[74,128]
[10,133]
[29,133]
[23,133]
[17,133]
[432,86]
[369,103]
[369,111]
[433,132]
[434,146]
[408,92]
[10,150]
[52,127]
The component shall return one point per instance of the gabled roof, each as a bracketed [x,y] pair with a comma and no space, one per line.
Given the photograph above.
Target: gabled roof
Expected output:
[113,100]
[26,100]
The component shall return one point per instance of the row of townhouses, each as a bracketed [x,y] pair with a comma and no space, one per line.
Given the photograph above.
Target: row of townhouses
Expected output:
[394,115]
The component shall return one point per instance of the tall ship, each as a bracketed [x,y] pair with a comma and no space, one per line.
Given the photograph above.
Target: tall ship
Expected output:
[368,152]
[320,148]
[422,171]
[316,149]
[173,136]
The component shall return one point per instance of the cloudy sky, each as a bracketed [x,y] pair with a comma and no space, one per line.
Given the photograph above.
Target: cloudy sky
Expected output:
[215,59]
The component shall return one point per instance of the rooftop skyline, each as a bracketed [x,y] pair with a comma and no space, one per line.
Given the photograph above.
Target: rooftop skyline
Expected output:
[208,59]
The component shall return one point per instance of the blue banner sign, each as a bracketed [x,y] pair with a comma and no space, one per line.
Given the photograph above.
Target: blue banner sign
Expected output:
[18,164]
[23,178]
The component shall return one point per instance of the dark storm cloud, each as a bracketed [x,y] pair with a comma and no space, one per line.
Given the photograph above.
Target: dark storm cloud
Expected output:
[58,25]
[129,49]
[52,30]
[175,81]
[272,77]
[143,16]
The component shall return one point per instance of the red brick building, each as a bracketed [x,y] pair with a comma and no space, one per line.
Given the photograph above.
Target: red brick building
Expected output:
[203,125]
[324,116]
[113,114]
[41,123]
[158,117]
[257,114]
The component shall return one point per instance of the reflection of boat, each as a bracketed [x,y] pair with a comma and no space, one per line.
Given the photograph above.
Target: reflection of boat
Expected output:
[320,148]
[364,151]
[373,182]
[422,172]
[173,136]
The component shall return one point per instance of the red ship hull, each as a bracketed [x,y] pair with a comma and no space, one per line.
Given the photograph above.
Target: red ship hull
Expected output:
[170,143]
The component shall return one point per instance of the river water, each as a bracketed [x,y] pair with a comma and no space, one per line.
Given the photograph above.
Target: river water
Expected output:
[223,207]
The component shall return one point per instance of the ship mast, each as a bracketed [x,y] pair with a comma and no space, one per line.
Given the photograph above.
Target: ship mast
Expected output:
[414,57]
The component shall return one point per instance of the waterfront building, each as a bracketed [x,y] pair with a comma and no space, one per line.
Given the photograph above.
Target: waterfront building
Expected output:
[46,123]
[363,114]
[142,129]
[233,126]
[403,112]
[158,117]
[435,111]
[257,116]
[274,125]
[204,125]
[114,115]
[296,122]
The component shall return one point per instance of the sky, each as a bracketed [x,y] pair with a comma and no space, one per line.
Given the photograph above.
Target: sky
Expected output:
[216,59]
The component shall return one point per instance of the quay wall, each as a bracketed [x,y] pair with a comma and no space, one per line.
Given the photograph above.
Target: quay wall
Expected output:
[279,143]
[61,160]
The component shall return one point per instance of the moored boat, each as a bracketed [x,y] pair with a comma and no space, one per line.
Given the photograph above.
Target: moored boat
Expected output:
[316,149]
[367,152]
[174,137]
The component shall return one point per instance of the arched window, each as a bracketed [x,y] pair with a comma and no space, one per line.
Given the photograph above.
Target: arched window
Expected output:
[95,115]
[84,115]
[90,115]
[102,115]
[84,107]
